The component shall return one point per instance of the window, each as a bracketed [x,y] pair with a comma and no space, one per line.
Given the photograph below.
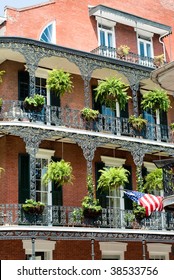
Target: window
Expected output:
[158,251]
[106,37]
[43,192]
[48,35]
[145,47]
[113,250]
[43,249]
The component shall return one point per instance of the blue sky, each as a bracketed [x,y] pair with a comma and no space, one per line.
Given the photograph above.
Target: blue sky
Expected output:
[18,4]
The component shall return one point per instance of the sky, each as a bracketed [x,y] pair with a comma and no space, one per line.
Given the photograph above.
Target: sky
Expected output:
[18,4]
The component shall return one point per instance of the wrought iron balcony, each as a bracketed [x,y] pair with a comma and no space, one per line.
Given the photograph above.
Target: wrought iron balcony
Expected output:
[13,214]
[131,57]
[71,118]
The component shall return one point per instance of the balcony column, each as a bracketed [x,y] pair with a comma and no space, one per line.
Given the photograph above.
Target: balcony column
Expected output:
[134,89]
[86,80]
[32,149]
[88,145]
[138,154]
[31,70]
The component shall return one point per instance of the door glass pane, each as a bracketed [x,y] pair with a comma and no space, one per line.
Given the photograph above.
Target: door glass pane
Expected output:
[102,38]
[110,44]
[41,189]
[148,50]
[142,49]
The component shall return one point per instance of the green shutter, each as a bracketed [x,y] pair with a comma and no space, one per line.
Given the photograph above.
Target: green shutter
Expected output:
[57,191]
[54,99]
[23,177]
[23,85]
[101,195]
[128,186]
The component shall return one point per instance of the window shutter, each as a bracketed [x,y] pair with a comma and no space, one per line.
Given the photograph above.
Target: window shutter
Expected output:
[100,194]
[23,85]
[128,186]
[54,99]
[57,191]
[24,177]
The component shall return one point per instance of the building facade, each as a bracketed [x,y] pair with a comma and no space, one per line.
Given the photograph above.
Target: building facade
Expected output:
[83,39]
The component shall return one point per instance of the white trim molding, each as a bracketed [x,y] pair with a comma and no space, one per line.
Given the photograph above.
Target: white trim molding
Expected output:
[113,249]
[112,161]
[159,249]
[45,246]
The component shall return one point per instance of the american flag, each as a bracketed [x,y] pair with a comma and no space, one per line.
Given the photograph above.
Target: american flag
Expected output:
[149,201]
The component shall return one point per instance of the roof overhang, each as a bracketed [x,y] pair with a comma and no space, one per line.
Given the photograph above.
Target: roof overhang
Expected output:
[164,76]
[114,15]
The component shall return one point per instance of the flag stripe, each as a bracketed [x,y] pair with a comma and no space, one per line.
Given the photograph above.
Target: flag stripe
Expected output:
[149,201]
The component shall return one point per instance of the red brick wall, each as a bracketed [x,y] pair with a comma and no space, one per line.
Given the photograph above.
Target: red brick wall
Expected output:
[11,250]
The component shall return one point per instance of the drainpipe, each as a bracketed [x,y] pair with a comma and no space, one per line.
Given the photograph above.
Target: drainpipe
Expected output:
[160,40]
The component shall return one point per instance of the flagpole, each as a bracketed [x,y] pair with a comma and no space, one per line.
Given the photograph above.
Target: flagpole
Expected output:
[144,248]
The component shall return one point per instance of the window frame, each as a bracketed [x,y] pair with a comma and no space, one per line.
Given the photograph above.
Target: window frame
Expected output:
[53,34]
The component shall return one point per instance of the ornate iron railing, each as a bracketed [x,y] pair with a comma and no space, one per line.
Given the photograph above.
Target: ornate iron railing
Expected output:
[71,118]
[13,214]
[131,57]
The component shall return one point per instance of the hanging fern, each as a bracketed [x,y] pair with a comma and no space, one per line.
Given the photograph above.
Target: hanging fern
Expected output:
[113,177]
[59,81]
[156,100]
[154,181]
[59,172]
[111,90]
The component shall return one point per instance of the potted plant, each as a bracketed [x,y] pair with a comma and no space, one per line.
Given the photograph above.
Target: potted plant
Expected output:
[33,207]
[59,172]
[137,123]
[59,82]
[139,212]
[153,181]
[122,51]
[156,99]
[159,60]
[129,218]
[112,177]
[34,103]
[90,205]
[89,114]
[110,91]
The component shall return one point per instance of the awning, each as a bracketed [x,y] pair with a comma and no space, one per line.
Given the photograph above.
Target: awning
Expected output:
[164,76]
[114,15]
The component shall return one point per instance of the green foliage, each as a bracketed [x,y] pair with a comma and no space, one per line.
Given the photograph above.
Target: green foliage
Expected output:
[34,102]
[139,211]
[59,172]
[89,114]
[154,180]
[2,72]
[77,214]
[90,205]
[32,206]
[129,217]
[113,177]
[172,126]
[1,102]
[156,100]
[111,90]
[59,81]
[138,123]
